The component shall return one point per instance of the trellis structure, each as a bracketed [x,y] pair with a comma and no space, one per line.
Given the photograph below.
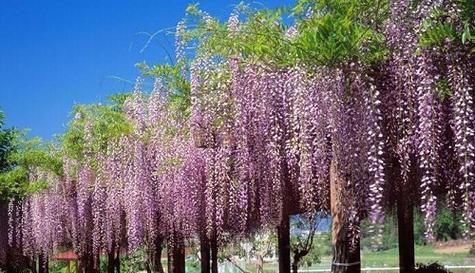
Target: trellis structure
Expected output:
[251,137]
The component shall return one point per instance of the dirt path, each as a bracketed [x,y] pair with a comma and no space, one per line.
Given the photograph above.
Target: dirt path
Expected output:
[464,247]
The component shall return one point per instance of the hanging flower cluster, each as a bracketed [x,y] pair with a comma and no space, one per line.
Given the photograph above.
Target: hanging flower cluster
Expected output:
[424,118]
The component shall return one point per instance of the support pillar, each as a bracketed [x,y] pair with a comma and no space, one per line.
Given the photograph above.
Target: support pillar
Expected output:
[346,258]
[283,237]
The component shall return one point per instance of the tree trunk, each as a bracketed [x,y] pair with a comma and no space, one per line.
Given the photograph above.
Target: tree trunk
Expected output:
[298,255]
[178,256]
[214,255]
[259,263]
[346,258]
[405,220]
[205,254]
[283,237]
[43,265]
[295,267]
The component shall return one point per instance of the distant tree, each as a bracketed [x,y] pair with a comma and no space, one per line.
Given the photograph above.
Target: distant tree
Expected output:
[303,231]
[447,224]
[12,187]
[7,136]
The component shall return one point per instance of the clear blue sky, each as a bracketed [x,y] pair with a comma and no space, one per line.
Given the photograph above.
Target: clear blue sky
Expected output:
[54,54]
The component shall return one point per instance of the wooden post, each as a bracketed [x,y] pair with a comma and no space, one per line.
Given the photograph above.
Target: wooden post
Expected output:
[117,261]
[179,256]
[79,266]
[4,246]
[283,230]
[214,255]
[405,221]
[154,255]
[86,263]
[205,254]
[43,265]
[346,259]
[169,258]
[283,237]
[405,213]
[157,259]
[111,260]
[3,234]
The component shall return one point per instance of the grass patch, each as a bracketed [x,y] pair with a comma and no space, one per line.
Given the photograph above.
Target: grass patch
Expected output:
[424,254]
